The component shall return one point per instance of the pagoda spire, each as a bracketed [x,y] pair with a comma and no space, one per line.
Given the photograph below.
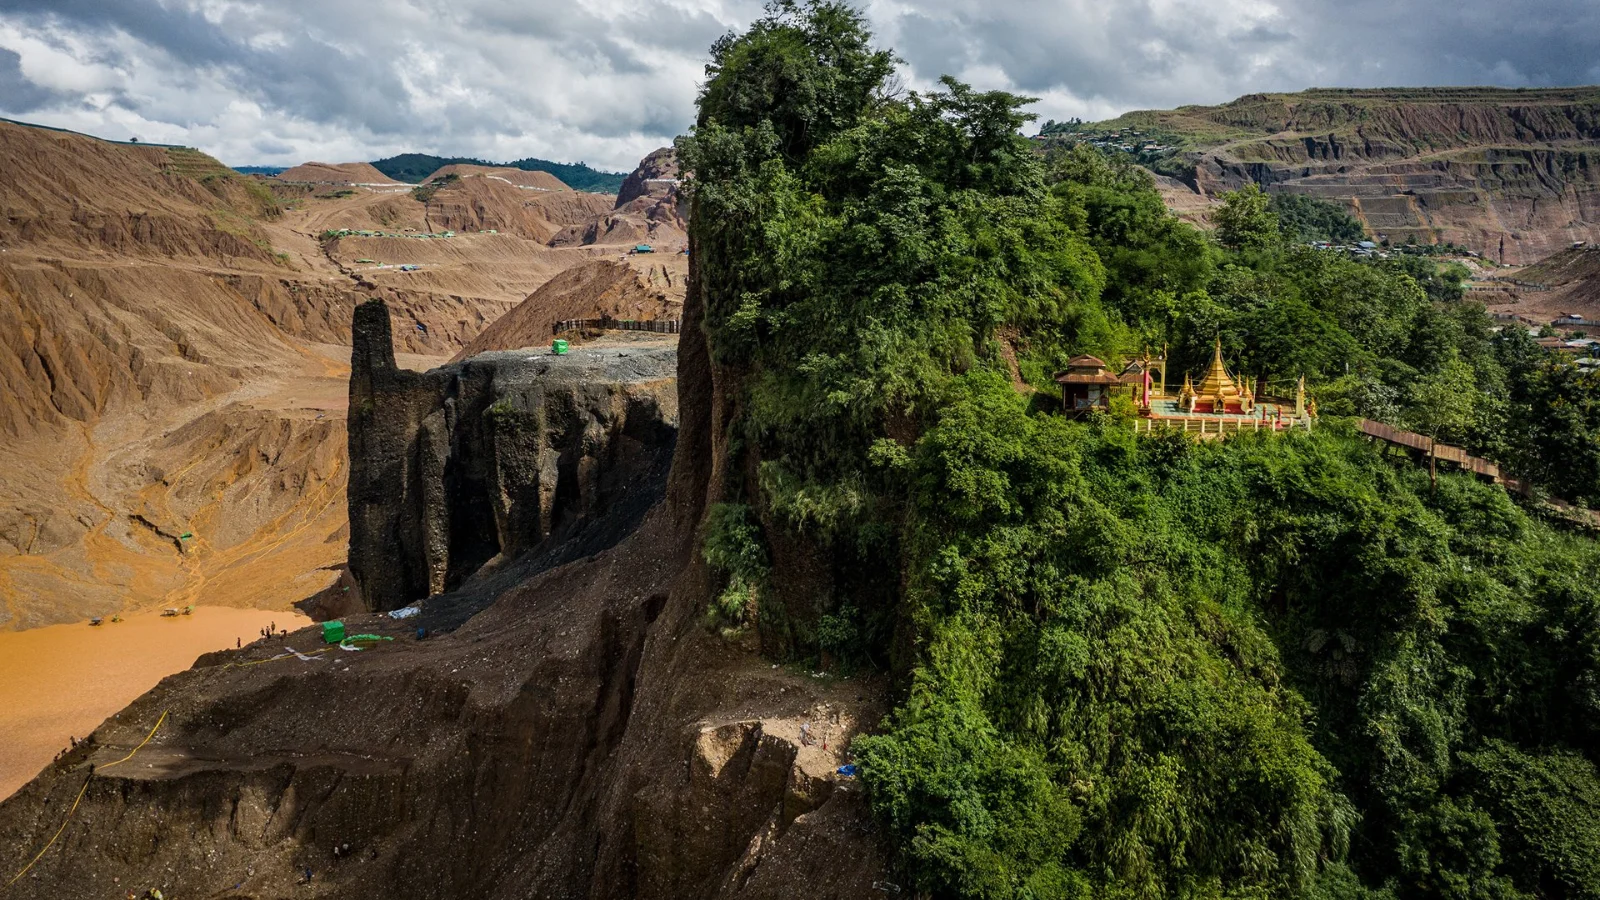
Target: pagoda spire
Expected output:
[1217,382]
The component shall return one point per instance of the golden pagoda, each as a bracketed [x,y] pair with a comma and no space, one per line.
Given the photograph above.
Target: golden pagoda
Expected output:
[1218,392]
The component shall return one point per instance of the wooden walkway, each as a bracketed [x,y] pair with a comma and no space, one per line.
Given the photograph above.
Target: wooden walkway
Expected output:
[1424,444]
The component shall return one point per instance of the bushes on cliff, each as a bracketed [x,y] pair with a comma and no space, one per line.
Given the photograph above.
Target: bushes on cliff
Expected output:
[1138,667]
[734,551]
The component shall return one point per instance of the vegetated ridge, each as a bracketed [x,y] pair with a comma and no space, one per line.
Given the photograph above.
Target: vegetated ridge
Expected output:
[416,167]
[1511,173]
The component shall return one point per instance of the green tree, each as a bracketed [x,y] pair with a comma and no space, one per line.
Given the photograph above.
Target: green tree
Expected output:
[1128,666]
[1306,219]
[1442,405]
[1245,221]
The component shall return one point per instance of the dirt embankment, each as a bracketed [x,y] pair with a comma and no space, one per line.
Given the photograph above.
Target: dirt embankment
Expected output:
[542,181]
[491,203]
[1563,285]
[649,210]
[174,427]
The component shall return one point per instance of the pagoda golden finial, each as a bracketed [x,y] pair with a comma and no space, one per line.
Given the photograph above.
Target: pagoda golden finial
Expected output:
[1217,385]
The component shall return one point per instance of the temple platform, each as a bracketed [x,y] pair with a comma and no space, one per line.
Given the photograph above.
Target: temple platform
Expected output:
[1164,412]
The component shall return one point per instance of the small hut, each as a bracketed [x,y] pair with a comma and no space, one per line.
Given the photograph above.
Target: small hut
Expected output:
[1086,384]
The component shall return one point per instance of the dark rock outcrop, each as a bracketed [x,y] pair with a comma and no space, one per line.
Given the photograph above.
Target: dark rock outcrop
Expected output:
[496,456]
[656,175]
[649,208]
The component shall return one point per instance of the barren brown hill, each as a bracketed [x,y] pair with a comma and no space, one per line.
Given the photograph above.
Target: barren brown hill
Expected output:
[148,293]
[593,290]
[1514,174]
[72,194]
[583,726]
[150,393]
[542,181]
[335,173]
[485,203]
[1563,285]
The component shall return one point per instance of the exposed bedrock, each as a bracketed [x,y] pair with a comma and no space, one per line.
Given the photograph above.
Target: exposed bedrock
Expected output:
[496,456]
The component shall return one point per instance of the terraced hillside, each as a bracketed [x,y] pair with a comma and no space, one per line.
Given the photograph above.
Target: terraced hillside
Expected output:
[1514,174]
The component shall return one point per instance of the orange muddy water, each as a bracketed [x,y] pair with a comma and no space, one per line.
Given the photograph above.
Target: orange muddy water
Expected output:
[64,680]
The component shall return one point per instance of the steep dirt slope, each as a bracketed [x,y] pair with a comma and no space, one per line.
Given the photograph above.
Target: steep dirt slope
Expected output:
[593,290]
[1562,285]
[172,432]
[334,173]
[173,344]
[489,202]
[1514,174]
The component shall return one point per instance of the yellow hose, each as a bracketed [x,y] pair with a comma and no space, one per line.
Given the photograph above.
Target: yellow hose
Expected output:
[79,799]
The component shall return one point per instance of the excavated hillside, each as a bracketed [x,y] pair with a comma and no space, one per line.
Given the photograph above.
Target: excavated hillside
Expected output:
[1513,174]
[173,339]
[1563,285]
[596,290]
[486,202]
[149,397]
[568,728]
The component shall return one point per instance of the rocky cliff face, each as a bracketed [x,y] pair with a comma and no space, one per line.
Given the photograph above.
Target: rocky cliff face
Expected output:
[649,208]
[657,174]
[495,456]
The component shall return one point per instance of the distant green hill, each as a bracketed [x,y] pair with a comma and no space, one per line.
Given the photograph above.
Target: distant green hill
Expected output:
[413,167]
[260,170]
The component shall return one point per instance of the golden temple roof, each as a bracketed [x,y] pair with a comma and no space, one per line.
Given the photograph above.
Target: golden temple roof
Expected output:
[1217,383]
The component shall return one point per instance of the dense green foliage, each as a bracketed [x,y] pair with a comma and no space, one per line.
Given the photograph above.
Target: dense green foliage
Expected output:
[1306,219]
[1552,420]
[1133,666]
[1245,220]
[413,167]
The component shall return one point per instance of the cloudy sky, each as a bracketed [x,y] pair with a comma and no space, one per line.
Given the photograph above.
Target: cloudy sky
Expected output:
[606,81]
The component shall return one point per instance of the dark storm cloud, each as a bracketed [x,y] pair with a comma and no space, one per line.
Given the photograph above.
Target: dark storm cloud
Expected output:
[609,80]
[21,95]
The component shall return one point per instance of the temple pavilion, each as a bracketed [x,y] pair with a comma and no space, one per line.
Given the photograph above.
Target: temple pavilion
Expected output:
[1222,402]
